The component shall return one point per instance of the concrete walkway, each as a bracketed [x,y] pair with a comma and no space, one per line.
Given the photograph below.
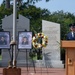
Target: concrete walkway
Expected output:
[39,71]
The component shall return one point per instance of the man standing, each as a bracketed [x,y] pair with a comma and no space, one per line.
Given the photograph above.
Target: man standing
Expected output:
[71,34]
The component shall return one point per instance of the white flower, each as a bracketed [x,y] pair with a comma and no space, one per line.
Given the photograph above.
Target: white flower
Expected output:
[35,40]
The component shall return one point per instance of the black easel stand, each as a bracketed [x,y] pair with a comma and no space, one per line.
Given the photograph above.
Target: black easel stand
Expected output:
[12,56]
[27,62]
[34,65]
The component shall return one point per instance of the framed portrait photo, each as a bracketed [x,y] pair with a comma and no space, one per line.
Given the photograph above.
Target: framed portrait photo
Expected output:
[5,40]
[24,40]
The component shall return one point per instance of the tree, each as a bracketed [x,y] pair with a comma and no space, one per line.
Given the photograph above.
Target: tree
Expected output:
[7,4]
[20,2]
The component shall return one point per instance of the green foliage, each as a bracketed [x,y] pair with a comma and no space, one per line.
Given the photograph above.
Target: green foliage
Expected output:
[36,15]
[33,54]
[20,3]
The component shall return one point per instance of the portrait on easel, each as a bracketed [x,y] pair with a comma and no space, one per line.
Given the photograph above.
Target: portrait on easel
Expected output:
[5,40]
[24,40]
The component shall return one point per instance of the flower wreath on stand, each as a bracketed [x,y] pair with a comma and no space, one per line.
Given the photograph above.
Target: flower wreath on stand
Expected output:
[35,42]
[38,45]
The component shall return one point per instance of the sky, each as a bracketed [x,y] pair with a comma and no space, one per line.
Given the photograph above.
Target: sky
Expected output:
[56,5]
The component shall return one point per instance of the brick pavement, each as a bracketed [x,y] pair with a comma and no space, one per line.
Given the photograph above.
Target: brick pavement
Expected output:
[39,71]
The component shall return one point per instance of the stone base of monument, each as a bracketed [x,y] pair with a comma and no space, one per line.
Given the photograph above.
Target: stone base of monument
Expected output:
[12,71]
[49,64]
[39,63]
[57,64]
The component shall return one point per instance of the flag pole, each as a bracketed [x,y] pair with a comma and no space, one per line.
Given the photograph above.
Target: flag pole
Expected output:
[14,28]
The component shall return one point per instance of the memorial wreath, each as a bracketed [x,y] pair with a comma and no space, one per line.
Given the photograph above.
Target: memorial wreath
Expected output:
[35,42]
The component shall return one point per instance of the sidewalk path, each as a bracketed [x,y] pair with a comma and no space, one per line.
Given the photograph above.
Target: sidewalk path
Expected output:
[39,71]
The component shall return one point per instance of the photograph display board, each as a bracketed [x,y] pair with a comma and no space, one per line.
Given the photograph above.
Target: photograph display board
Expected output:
[4,40]
[24,40]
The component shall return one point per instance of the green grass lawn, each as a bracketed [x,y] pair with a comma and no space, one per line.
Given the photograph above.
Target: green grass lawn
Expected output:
[0,57]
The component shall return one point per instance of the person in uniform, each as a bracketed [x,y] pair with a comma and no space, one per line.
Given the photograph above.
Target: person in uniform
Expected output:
[71,34]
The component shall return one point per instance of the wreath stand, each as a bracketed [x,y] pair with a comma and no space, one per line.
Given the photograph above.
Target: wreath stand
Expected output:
[12,69]
[27,61]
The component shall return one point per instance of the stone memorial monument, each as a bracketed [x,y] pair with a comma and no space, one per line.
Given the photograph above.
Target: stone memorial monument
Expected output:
[23,24]
[51,54]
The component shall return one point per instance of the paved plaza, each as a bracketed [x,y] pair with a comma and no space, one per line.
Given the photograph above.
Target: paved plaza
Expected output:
[39,71]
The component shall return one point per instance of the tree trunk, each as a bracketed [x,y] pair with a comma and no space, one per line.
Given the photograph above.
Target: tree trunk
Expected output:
[7,5]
